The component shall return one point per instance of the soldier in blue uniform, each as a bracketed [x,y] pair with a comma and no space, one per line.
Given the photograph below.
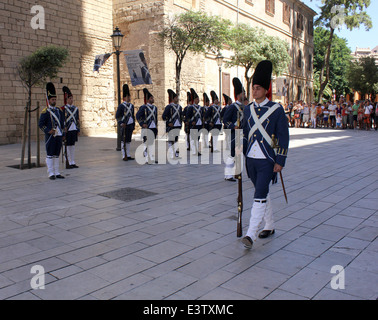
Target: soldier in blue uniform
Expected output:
[194,116]
[265,146]
[172,116]
[147,119]
[227,102]
[232,115]
[125,116]
[72,127]
[51,122]
[205,133]
[187,126]
[213,113]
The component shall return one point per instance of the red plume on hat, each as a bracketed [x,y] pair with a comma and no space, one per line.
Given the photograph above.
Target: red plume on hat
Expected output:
[147,95]
[269,93]
[67,93]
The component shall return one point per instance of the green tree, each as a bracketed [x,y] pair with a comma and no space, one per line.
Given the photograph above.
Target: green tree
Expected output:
[251,45]
[363,76]
[34,70]
[338,64]
[193,32]
[335,14]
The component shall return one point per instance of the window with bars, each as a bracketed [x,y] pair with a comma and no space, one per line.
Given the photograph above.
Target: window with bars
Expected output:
[300,22]
[270,6]
[310,27]
[299,61]
[286,13]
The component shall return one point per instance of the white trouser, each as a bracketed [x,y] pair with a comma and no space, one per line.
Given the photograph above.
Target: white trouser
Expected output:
[172,149]
[229,170]
[52,166]
[205,138]
[194,145]
[260,211]
[149,152]
[71,155]
[215,143]
[127,149]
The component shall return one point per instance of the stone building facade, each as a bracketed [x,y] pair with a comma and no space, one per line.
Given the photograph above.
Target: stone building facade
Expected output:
[85,26]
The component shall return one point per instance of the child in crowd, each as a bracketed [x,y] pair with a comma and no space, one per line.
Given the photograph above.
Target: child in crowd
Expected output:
[338,120]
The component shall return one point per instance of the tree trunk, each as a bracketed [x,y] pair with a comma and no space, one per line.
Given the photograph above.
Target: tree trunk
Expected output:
[324,83]
[249,81]
[178,75]
[29,130]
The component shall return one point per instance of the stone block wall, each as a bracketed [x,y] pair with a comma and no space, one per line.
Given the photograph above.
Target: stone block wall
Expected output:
[81,26]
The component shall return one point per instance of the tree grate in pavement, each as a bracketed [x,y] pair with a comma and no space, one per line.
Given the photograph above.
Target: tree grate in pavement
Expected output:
[128,194]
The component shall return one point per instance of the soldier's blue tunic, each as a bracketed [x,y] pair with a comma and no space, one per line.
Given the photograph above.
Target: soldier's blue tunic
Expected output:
[46,123]
[193,114]
[260,171]
[213,113]
[147,115]
[230,119]
[173,114]
[126,115]
[71,115]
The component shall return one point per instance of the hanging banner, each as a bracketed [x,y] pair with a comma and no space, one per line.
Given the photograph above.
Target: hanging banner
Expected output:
[100,60]
[281,87]
[138,69]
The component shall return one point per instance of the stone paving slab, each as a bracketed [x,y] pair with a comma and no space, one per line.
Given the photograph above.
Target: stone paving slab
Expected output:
[180,242]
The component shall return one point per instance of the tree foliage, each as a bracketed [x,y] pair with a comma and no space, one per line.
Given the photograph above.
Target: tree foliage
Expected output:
[34,70]
[252,45]
[363,76]
[334,15]
[193,32]
[42,64]
[339,61]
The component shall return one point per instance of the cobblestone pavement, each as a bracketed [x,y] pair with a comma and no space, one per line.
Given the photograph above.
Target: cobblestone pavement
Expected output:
[171,232]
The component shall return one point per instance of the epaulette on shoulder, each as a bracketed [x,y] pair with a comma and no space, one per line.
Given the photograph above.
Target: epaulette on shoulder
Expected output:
[44,110]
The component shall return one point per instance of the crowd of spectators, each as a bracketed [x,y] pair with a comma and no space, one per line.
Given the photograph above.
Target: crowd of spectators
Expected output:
[362,114]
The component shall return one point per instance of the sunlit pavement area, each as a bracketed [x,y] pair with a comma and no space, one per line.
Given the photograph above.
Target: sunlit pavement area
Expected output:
[120,230]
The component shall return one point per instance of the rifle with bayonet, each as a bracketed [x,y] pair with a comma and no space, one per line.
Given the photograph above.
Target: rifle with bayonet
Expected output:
[276,146]
[238,176]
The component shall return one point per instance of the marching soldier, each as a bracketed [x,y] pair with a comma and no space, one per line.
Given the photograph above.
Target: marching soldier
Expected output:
[234,112]
[51,122]
[213,113]
[172,115]
[72,127]
[147,119]
[205,133]
[194,116]
[125,116]
[265,146]
[187,126]
[227,102]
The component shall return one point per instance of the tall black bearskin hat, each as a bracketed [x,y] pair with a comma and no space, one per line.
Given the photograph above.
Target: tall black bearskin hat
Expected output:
[263,74]
[188,98]
[227,99]
[147,95]
[205,98]
[194,94]
[50,91]
[67,92]
[126,91]
[171,95]
[238,87]
[213,96]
